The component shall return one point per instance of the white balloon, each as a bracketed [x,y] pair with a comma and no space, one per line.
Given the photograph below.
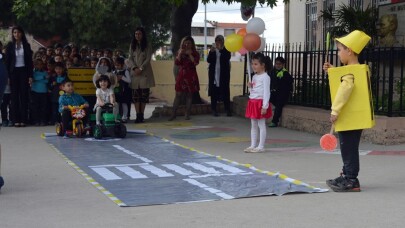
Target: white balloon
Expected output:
[262,44]
[255,25]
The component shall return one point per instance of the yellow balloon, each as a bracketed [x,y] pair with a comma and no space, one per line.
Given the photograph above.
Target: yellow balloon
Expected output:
[233,42]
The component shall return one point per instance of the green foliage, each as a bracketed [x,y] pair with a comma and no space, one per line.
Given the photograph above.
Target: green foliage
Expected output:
[4,37]
[347,19]
[101,23]
[98,23]
[6,15]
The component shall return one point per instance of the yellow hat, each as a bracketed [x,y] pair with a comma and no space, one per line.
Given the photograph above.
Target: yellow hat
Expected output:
[355,40]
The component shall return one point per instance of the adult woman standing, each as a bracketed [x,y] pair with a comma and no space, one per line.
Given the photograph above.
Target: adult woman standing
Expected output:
[142,79]
[20,68]
[187,79]
[219,74]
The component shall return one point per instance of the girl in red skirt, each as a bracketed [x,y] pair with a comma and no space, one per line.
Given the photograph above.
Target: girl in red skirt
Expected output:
[258,108]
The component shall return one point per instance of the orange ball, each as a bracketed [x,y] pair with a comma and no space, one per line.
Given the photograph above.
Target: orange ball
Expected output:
[251,42]
[328,142]
[242,32]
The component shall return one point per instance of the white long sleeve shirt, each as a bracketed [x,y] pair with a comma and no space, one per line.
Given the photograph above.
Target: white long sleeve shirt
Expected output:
[261,88]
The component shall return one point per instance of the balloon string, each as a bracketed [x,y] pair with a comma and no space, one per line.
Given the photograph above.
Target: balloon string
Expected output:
[332,129]
[248,66]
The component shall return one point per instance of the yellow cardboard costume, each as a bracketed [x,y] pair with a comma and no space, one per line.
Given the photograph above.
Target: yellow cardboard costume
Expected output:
[350,89]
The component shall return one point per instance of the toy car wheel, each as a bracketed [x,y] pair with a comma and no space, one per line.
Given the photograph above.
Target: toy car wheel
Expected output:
[97,132]
[79,130]
[59,129]
[120,130]
[90,129]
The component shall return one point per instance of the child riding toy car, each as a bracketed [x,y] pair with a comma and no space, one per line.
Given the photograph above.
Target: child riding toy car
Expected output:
[109,126]
[77,127]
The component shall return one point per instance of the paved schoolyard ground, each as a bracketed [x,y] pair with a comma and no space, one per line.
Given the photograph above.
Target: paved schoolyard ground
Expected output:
[43,191]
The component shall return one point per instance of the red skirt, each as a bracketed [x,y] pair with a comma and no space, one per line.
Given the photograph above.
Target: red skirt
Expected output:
[254,108]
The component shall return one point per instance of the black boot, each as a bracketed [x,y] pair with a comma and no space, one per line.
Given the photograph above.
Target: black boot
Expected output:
[1,182]
[176,104]
[141,117]
[138,118]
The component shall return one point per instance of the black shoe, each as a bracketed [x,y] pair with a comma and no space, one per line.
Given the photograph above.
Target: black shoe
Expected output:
[344,184]
[228,113]
[215,113]
[273,124]
[138,118]
[1,182]
[335,181]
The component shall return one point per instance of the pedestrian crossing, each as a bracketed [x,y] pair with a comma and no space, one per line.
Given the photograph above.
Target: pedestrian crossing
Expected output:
[112,172]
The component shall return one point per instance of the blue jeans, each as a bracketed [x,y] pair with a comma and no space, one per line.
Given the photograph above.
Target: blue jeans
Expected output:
[349,147]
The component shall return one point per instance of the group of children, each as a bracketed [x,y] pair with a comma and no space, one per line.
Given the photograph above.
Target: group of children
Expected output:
[112,86]
[50,73]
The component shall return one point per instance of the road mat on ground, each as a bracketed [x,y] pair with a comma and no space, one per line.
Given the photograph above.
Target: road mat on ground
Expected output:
[143,169]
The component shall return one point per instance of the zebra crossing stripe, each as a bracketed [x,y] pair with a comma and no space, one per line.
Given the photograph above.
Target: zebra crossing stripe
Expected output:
[106,173]
[155,170]
[178,169]
[228,168]
[131,172]
[202,168]
[217,192]
[89,179]
[132,153]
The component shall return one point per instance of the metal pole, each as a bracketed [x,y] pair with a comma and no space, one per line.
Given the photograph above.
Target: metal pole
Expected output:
[205,32]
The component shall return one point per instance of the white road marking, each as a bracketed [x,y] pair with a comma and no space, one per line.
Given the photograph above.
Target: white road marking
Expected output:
[132,153]
[228,168]
[202,168]
[106,174]
[209,189]
[179,170]
[155,170]
[131,172]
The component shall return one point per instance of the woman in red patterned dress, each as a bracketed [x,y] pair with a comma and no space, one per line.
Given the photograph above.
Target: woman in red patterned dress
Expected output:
[187,79]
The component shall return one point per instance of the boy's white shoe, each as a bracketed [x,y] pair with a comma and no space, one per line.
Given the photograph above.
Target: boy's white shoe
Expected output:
[249,149]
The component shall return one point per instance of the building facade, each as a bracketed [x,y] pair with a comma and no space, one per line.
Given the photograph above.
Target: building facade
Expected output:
[302,23]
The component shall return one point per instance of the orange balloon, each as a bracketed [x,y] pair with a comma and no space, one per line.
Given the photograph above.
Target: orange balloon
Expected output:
[251,42]
[242,32]
[328,142]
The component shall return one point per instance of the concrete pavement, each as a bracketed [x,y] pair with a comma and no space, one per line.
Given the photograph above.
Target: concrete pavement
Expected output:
[43,191]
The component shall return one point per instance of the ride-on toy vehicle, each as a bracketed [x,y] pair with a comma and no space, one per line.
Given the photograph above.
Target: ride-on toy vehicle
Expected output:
[77,128]
[108,125]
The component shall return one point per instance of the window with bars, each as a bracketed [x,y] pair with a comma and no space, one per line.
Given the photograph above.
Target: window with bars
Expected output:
[356,3]
[311,23]
[199,31]
[228,32]
[327,25]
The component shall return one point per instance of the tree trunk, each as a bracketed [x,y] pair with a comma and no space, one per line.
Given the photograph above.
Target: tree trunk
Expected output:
[180,24]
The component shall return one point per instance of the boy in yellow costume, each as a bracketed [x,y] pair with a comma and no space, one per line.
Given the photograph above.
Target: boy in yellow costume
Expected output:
[352,109]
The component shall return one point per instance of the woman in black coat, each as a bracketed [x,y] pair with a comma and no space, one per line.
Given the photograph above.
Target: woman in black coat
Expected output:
[20,68]
[219,76]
